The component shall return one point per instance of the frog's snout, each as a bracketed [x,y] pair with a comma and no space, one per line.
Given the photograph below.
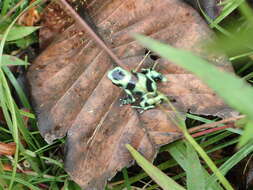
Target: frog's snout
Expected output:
[109,74]
[164,79]
[117,74]
[160,78]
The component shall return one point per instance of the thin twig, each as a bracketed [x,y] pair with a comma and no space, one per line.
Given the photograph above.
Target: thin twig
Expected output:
[214,124]
[210,131]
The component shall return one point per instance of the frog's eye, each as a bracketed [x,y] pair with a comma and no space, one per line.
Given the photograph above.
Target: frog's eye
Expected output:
[118,75]
[158,79]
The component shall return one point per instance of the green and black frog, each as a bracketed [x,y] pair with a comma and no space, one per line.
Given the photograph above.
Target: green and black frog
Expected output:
[143,84]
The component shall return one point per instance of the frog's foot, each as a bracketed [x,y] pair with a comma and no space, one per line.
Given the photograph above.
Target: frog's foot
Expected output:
[143,108]
[127,101]
[161,98]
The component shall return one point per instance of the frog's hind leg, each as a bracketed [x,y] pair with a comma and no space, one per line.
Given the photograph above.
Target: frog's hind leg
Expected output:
[160,98]
[143,108]
[148,101]
[144,103]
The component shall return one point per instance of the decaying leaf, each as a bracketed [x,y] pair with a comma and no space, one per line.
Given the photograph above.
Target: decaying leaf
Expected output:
[7,167]
[7,148]
[73,96]
[30,17]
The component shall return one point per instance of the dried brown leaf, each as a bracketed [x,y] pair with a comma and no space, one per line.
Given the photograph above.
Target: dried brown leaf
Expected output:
[7,148]
[73,96]
[30,17]
[7,167]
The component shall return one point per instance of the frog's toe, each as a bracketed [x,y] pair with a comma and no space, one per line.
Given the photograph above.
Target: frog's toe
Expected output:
[124,102]
[148,107]
[127,101]
[140,109]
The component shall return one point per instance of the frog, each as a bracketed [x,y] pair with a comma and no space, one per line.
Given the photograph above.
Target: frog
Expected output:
[142,84]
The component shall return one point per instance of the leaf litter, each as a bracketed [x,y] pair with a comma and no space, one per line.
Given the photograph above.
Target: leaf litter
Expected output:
[73,97]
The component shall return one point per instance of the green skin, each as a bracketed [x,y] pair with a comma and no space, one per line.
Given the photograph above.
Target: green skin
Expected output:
[142,83]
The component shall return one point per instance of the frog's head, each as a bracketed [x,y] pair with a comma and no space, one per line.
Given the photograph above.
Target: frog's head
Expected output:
[117,76]
[156,76]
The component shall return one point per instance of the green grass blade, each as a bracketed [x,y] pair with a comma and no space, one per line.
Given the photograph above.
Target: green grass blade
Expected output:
[5,108]
[208,161]
[27,114]
[214,24]
[5,7]
[241,56]
[245,67]
[163,166]
[216,138]
[198,118]
[14,125]
[223,145]
[157,175]
[8,60]
[172,163]
[226,11]
[126,178]
[247,134]
[55,162]
[19,180]
[17,87]
[194,171]
[246,10]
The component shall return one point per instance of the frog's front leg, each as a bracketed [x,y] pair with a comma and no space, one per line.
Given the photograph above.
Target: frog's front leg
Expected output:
[143,106]
[129,99]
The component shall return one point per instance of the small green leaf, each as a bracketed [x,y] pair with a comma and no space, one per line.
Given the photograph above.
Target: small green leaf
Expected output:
[52,161]
[18,32]
[157,175]
[25,42]
[12,60]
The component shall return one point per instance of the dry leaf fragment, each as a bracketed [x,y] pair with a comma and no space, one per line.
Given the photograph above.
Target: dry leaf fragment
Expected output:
[7,148]
[73,96]
[7,167]
[30,17]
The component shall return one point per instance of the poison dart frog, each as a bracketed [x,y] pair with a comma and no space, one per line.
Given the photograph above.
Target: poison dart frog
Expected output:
[141,83]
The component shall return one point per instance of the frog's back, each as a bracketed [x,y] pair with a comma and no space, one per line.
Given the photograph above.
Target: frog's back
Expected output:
[144,84]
